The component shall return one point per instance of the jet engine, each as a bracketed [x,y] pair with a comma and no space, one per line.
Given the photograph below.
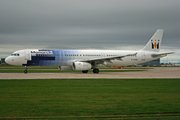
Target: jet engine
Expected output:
[81,66]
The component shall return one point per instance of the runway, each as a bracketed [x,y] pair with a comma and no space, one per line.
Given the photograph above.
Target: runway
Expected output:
[156,72]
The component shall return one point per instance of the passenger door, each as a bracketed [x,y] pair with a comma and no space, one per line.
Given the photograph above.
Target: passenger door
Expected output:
[27,54]
[143,56]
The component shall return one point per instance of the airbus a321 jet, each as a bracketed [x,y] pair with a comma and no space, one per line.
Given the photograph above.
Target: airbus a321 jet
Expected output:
[88,59]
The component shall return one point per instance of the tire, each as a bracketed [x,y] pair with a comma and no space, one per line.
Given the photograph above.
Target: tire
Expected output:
[25,71]
[85,71]
[96,70]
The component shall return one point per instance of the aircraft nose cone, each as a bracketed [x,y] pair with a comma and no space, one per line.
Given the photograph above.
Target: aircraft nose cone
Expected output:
[7,60]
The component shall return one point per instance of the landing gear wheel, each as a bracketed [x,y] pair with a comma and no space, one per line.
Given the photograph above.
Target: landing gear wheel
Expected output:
[85,71]
[95,70]
[25,71]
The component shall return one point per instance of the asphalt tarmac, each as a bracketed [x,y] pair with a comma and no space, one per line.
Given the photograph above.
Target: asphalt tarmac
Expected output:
[159,72]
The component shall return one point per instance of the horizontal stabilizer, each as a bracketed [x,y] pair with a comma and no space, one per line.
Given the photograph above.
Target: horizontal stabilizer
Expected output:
[161,54]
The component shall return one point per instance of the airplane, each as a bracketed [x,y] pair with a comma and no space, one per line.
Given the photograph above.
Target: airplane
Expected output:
[85,60]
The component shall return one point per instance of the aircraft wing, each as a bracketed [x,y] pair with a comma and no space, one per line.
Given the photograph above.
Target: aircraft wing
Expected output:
[107,59]
[161,54]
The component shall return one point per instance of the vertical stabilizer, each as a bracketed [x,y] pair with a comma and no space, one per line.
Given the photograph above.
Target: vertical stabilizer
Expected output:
[154,43]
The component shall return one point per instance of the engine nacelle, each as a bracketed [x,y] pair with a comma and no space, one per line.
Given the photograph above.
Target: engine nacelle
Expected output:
[81,66]
[65,68]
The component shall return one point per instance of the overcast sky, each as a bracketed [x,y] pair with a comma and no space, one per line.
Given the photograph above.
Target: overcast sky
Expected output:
[88,24]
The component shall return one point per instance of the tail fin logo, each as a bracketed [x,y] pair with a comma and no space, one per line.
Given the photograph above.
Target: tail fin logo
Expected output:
[155,45]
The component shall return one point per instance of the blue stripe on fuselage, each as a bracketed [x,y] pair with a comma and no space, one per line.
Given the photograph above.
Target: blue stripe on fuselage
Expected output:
[52,58]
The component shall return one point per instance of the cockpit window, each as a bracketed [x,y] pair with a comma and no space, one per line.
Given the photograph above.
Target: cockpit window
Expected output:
[15,54]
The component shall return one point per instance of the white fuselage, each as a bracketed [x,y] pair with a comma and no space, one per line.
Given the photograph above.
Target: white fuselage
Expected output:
[67,57]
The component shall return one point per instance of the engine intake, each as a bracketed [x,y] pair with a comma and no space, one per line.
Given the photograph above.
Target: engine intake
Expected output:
[81,66]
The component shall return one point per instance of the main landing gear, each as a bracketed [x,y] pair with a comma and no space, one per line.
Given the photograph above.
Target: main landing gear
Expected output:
[94,71]
[85,71]
[25,71]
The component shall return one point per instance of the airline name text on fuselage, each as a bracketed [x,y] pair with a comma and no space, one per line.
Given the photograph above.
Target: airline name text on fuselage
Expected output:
[42,52]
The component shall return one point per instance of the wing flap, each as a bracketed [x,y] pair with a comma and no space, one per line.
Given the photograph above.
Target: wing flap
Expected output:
[108,59]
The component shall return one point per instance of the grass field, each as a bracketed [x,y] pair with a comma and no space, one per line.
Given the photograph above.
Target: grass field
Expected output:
[90,98]
[56,67]
[61,71]
[43,69]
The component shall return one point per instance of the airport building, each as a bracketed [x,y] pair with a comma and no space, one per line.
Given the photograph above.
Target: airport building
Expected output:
[151,63]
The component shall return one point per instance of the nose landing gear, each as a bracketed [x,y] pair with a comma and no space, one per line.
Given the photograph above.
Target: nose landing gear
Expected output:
[25,71]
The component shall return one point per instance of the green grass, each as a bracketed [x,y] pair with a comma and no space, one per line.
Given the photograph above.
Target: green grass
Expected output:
[127,68]
[56,67]
[29,67]
[90,98]
[60,71]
